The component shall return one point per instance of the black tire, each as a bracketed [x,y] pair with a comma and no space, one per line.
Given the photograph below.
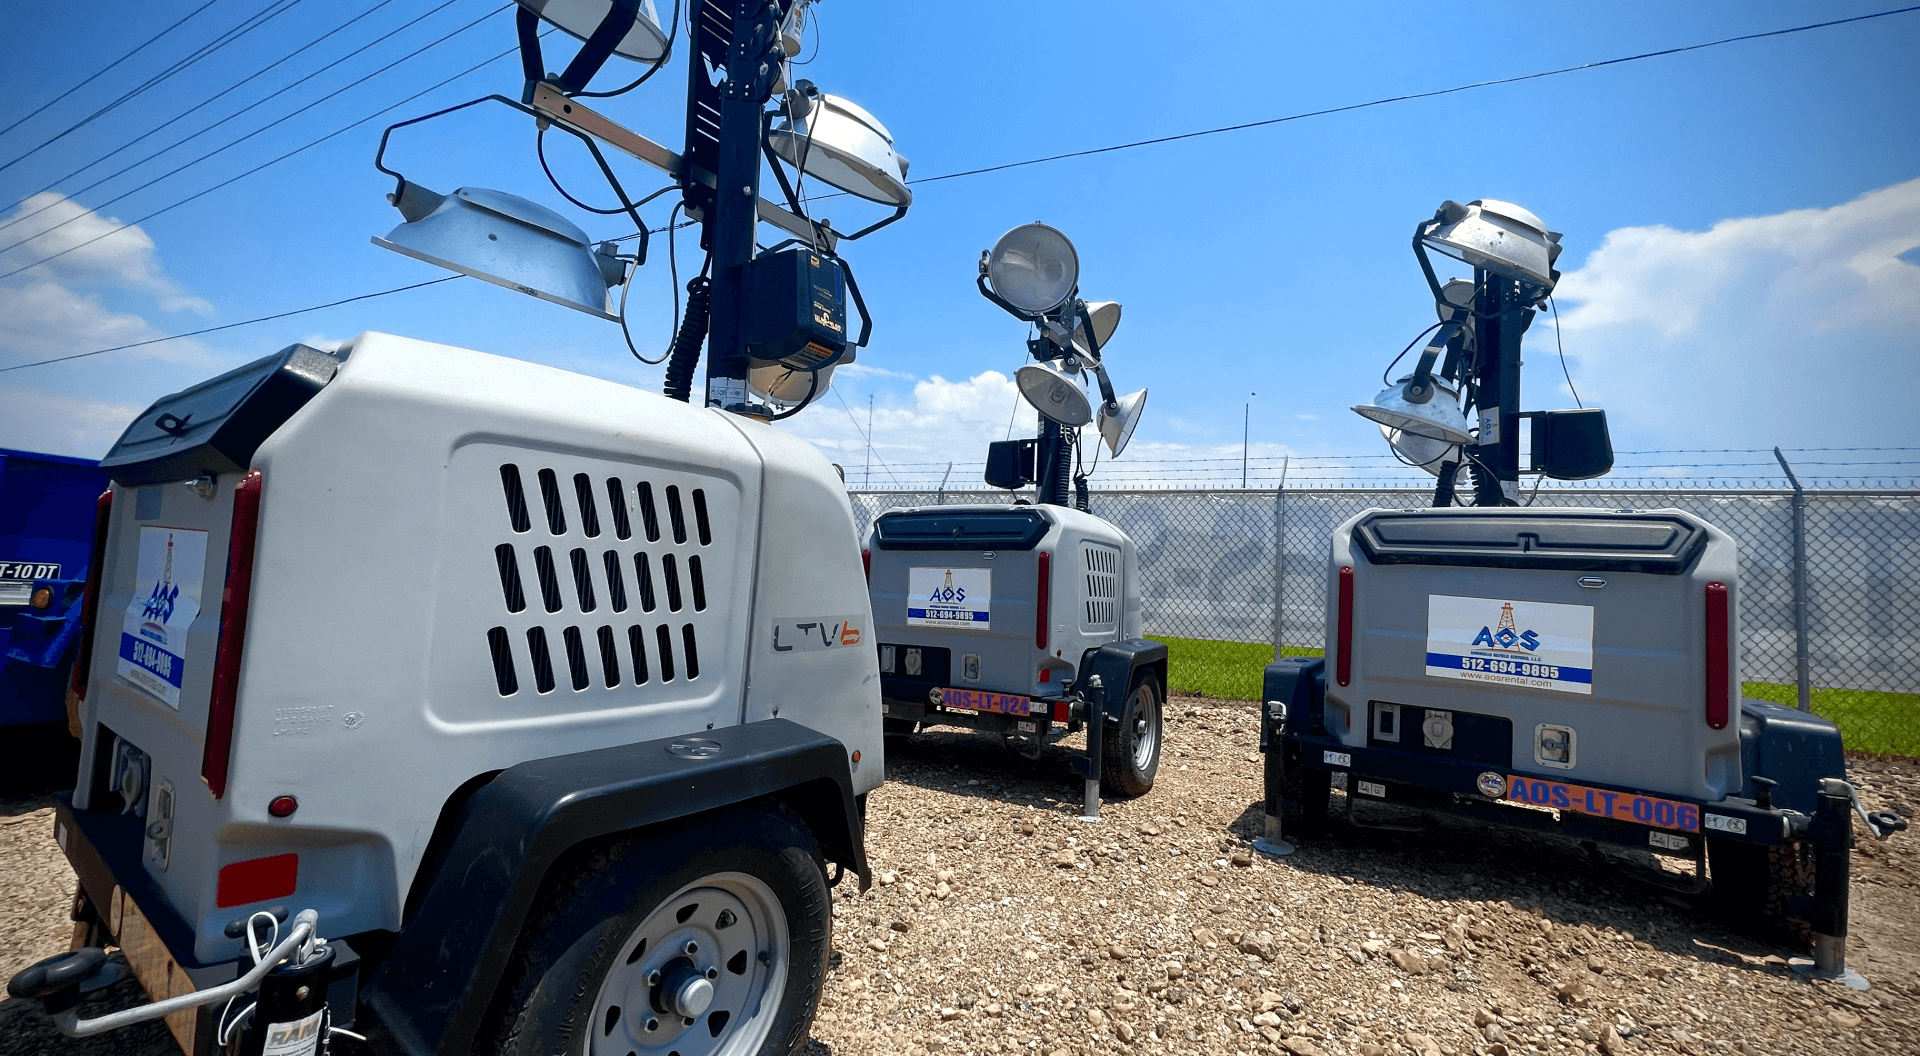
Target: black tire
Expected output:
[1754,885]
[1305,795]
[591,916]
[898,727]
[1130,753]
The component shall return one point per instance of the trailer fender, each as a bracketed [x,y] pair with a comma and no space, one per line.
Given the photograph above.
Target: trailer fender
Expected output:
[1796,750]
[1116,663]
[433,989]
[1299,685]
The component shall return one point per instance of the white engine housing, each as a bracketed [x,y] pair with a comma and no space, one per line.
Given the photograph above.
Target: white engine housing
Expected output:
[371,685]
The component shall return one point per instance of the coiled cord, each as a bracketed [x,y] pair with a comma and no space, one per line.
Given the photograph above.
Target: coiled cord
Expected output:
[685,355]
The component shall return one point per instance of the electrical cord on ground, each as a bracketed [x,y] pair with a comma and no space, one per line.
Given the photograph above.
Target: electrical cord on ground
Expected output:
[236,142]
[666,56]
[190,137]
[685,354]
[251,23]
[309,145]
[95,75]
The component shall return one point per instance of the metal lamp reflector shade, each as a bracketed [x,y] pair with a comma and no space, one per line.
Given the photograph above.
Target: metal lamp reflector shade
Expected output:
[784,386]
[1057,396]
[1499,236]
[1422,451]
[1106,319]
[843,146]
[1117,429]
[1438,417]
[645,42]
[510,242]
[1033,267]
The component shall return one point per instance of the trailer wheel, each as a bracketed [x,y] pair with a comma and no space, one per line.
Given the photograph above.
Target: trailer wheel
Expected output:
[898,727]
[1754,885]
[1130,755]
[707,939]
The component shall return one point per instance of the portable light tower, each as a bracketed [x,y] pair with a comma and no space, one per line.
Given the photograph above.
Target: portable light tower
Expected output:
[1473,360]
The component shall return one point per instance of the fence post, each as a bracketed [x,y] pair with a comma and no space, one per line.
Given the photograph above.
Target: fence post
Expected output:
[1802,663]
[1280,558]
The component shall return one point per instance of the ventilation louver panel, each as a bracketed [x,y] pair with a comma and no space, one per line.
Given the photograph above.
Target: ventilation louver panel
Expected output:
[1101,566]
[655,547]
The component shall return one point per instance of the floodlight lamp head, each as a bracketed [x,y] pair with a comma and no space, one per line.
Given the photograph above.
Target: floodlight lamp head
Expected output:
[1499,237]
[1431,411]
[1116,429]
[785,387]
[643,41]
[841,145]
[508,241]
[1032,270]
[1105,316]
[1057,395]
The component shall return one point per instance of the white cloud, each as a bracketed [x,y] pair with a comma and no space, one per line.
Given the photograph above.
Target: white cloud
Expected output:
[92,248]
[61,424]
[1795,328]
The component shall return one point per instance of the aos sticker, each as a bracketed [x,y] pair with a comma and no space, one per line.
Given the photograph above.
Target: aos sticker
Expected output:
[950,597]
[1534,644]
[166,598]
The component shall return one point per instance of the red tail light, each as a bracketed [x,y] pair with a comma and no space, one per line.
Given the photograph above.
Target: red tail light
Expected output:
[1043,601]
[866,562]
[1719,644]
[218,750]
[96,571]
[1343,664]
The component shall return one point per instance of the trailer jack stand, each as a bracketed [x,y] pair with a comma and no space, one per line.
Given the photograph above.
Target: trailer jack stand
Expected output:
[1269,842]
[1832,836]
[1096,708]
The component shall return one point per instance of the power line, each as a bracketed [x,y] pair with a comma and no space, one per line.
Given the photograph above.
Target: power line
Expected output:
[44,107]
[51,185]
[230,326]
[242,139]
[252,23]
[1412,96]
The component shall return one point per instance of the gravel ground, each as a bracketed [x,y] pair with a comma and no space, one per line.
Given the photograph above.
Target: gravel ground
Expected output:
[1002,924]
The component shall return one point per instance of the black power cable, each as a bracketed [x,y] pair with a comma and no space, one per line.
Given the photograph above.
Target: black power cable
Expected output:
[666,56]
[687,343]
[95,75]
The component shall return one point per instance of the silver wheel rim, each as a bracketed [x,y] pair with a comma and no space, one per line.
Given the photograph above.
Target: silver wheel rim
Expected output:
[716,948]
[1146,728]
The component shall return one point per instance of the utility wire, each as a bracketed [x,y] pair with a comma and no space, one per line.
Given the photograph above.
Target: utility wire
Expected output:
[1411,96]
[268,164]
[142,46]
[865,437]
[252,23]
[242,139]
[53,184]
[230,326]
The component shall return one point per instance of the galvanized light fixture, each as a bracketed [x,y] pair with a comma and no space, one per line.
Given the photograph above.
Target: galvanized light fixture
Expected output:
[1032,269]
[1497,236]
[1056,394]
[508,241]
[838,143]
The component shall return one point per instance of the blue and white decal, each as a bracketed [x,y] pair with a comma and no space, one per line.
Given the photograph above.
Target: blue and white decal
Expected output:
[166,598]
[1532,644]
[950,597]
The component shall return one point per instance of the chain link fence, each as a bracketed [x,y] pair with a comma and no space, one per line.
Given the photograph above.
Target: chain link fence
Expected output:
[1212,590]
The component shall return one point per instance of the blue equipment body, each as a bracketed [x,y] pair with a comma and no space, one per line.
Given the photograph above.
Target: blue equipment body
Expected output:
[46,536]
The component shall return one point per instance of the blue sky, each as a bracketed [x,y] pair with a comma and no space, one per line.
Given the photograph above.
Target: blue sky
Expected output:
[1740,223]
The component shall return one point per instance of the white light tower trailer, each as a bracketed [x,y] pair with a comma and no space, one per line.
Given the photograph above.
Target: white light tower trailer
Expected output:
[501,677]
[1023,620]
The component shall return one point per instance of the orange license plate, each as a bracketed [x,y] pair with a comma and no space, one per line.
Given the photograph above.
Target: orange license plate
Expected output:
[1621,806]
[981,700]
